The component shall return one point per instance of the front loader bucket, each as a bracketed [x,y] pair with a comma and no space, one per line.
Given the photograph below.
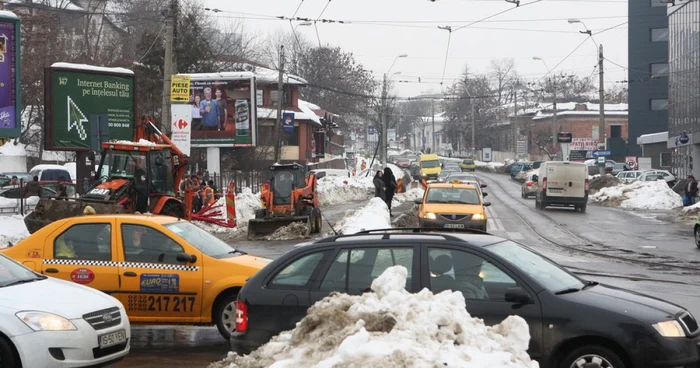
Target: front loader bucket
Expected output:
[49,210]
[262,227]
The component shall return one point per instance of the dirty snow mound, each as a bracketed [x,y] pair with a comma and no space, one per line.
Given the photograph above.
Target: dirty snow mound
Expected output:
[599,182]
[407,219]
[336,190]
[12,230]
[490,166]
[246,205]
[295,230]
[374,215]
[639,195]
[393,328]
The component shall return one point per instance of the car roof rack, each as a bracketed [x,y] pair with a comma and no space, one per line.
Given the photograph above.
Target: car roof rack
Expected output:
[428,230]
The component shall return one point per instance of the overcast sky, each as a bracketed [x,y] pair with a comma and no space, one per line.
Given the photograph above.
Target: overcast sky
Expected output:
[380,30]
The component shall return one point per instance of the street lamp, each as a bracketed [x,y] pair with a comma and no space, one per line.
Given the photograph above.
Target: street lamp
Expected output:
[554,104]
[382,114]
[587,31]
[303,24]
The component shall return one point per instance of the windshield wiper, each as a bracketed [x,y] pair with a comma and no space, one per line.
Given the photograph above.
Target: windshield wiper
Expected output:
[590,284]
[567,291]
[22,281]
[237,251]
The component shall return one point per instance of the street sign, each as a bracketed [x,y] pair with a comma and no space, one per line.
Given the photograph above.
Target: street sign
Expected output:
[601,161]
[600,153]
[577,155]
[564,137]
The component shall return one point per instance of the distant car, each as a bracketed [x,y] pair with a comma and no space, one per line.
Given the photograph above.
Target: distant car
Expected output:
[665,174]
[629,176]
[20,175]
[403,163]
[529,187]
[518,167]
[445,172]
[468,165]
[451,165]
[620,167]
[322,173]
[414,169]
[462,177]
[47,322]
[4,180]
[14,192]
[650,177]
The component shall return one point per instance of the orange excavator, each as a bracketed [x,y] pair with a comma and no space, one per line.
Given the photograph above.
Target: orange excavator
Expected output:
[138,176]
[290,197]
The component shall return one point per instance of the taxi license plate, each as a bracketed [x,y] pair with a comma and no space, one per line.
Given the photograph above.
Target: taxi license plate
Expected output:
[454,226]
[111,339]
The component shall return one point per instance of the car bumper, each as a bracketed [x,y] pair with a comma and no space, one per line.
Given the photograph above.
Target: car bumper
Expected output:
[80,348]
[245,343]
[530,190]
[667,353]
[448,224]
[550,200]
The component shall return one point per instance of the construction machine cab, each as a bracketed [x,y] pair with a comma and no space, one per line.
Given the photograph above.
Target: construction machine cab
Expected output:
[285,179]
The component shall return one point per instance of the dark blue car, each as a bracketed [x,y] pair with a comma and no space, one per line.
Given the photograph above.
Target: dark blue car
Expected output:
[518,167]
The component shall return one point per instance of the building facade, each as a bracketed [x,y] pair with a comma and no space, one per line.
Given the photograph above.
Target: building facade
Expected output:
[684,87]
[648,44]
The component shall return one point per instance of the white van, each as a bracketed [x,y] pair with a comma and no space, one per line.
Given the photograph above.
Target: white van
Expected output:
[562,183]
[322,173]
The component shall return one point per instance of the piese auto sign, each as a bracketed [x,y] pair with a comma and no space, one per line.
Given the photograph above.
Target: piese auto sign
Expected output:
[76,93]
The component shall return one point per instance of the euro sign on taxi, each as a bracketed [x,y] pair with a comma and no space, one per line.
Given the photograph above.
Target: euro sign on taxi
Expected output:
[181,124]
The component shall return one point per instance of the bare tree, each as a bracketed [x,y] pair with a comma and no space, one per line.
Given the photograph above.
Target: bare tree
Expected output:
[616,94]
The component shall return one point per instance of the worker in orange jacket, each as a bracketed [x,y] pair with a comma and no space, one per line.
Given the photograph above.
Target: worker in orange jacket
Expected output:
[208,194]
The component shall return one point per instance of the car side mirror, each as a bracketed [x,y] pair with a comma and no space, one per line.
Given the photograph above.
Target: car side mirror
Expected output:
[484,185]
[418,201]
[517,295]
[484,194]
[535,178]
[486,204]
[184,257]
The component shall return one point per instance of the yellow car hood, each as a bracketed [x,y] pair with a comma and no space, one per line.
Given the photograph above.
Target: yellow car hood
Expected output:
[248,261]
[465,209]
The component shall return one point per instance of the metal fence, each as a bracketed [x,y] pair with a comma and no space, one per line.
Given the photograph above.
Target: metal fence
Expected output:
[251,179]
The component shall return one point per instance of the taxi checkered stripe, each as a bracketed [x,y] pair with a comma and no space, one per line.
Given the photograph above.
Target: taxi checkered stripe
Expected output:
[156,266]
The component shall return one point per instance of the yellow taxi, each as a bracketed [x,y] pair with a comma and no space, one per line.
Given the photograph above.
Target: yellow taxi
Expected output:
[453,206]
[163,269]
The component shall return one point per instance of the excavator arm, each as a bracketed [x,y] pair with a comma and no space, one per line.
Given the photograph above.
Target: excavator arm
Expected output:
[146,129]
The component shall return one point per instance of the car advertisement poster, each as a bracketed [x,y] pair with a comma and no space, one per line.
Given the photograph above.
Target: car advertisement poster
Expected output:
[223,110]
[77,94]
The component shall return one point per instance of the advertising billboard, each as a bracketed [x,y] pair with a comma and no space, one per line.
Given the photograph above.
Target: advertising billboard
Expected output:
[77,94]
[223,109]
[10,109]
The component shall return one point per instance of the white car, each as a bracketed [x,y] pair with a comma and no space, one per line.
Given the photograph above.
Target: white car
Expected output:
[629,176]
[668,177]
[54,323]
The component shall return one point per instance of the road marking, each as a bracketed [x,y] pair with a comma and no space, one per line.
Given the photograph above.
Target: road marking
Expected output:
[515,236]
[491,226]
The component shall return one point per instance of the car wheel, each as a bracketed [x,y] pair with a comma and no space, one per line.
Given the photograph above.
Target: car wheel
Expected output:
[697,236]
[582,208]
[543,205]
[225,315]
[7,354]
[591,356]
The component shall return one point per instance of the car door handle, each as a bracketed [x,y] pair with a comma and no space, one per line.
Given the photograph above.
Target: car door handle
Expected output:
[51,270]
[130,274]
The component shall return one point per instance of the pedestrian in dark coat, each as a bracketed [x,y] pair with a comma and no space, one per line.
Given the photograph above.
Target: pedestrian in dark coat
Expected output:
[379,186]
[390,185]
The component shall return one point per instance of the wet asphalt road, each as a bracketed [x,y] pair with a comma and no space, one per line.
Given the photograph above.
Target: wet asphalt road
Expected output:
[556,233]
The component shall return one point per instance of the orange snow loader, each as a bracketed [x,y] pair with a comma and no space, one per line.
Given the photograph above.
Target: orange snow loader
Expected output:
[139,176]
[290,197]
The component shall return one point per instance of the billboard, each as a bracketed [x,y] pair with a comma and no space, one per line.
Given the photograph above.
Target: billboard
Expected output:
[181,128]
[223,109]
[10,109]
[78,94]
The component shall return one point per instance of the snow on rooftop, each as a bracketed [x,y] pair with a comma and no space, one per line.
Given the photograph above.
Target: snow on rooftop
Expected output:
[8,14]
[540,115]
[305,114]
[262,75]
[93,68]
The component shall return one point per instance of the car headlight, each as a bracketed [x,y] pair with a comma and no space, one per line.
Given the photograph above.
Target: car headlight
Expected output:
[669,329]
[430,216]
[477,217]
[44,321]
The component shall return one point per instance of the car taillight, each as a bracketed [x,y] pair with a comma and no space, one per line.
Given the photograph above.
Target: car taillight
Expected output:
[241,316]
[529,183]
[544,184]
[586,187]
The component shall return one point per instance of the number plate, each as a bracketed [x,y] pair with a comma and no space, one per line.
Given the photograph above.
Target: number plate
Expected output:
[556,190]
[111,339]
[454,226]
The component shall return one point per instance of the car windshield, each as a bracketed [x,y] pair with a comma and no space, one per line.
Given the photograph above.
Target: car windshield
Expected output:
[13,273]
[468,162]
[453,195]
[545,272]
[429,164]
[202,240]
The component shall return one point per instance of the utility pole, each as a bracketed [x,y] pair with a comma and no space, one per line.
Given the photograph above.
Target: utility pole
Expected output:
[515,122]
[554,119]
[280,100]
[385,125]
[471,103]
[432,113]
[601,91]
[168,66]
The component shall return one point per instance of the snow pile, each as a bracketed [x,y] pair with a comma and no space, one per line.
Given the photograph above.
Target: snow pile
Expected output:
[600,182]
[12,230]
[15,202]
[639,195]
[393,328]
[490,166]
[409,196]
[374,215]
[246,205]
[337,190]
[295,230]
[12,149]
